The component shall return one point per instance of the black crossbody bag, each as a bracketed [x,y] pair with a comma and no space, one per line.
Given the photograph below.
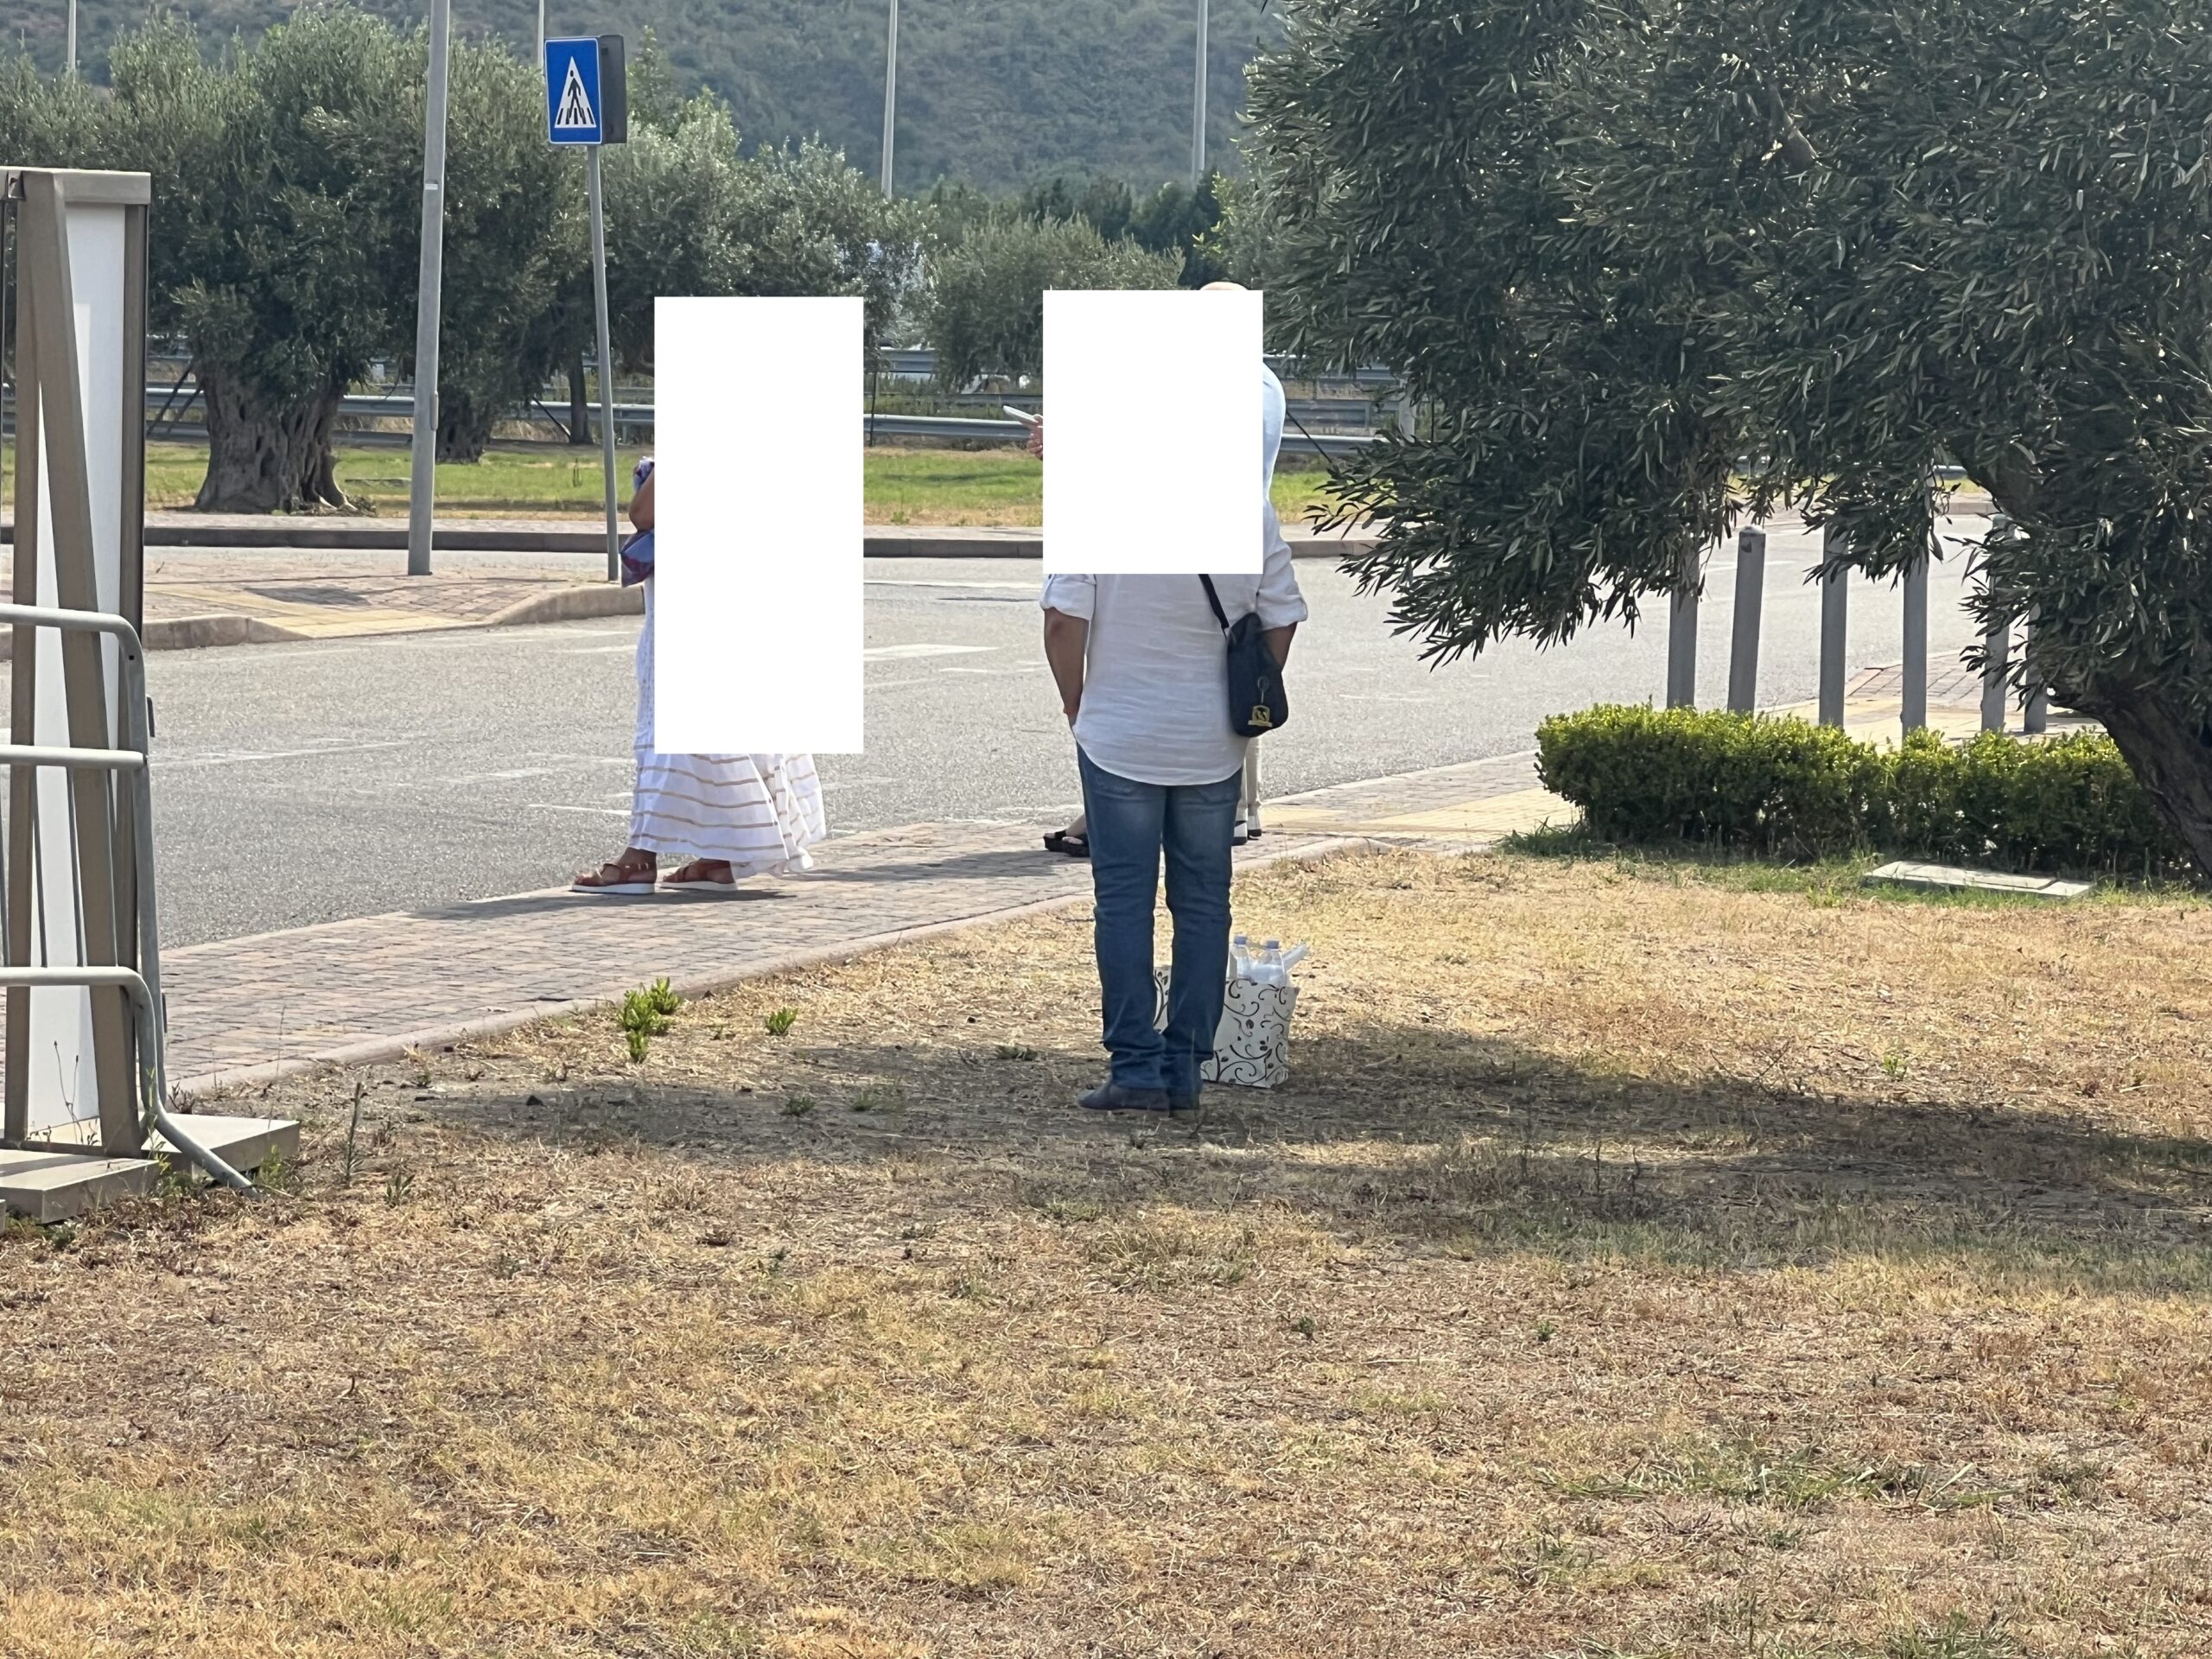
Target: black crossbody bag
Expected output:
[1257,702]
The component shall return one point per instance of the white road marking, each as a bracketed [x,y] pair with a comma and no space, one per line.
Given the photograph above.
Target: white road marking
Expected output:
[242,757]
[509,777]
[901,653]
[985,587]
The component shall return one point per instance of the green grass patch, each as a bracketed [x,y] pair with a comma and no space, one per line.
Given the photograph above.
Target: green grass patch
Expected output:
[1808,1477]
[904,485]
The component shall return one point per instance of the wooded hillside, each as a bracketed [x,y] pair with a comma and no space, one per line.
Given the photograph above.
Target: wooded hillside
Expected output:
[995,92]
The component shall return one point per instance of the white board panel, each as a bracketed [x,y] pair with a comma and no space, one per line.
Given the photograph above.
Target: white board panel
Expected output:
[757,514]
[1154,459]
[62,1087]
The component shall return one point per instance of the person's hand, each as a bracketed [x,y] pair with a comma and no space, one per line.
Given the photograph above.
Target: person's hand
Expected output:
[1036,446]
[1070,710]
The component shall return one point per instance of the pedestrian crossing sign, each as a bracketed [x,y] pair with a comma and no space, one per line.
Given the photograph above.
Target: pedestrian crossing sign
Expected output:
[572,102]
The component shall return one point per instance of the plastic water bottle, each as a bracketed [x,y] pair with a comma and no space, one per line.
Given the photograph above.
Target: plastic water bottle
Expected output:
[1269,970]
[1292,957]
[1240,958]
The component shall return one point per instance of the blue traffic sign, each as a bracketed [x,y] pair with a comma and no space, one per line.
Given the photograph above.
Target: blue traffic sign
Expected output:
[573,115]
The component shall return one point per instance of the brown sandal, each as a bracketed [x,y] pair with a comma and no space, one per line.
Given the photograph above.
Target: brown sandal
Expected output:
[622,877]
[693,877]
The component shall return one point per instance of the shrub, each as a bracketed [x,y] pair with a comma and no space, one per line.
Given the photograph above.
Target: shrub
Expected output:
[1769,785]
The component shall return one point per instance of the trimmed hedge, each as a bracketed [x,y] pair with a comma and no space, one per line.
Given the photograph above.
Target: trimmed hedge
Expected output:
[1763,784]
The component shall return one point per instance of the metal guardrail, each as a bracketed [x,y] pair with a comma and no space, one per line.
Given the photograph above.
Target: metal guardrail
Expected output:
[1337,399]
[634,418]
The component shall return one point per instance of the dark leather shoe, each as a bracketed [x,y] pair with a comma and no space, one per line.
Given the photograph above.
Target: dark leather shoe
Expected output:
[1113,1097]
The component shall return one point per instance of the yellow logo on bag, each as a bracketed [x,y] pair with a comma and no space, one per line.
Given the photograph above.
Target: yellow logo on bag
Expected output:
[1262,716]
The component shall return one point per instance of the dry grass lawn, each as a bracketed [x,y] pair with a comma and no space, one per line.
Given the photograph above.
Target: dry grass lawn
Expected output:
[1641,1263]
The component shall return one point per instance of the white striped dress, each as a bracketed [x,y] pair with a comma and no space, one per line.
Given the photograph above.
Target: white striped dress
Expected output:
[758,812]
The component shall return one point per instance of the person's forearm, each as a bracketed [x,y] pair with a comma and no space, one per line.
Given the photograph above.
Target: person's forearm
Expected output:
[1279,642]
[1065,638]
[641,505]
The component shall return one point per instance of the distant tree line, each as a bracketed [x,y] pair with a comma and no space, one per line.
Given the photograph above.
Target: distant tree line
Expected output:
[284,241]
[994,91]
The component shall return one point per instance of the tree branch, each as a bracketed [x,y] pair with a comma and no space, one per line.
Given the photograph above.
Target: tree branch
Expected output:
[1794,144]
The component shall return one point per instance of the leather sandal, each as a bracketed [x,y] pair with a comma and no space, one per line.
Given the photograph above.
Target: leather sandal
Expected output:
[619,878]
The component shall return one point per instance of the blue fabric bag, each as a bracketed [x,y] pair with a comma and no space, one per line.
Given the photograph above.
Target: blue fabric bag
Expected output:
[638,551]
[637,558]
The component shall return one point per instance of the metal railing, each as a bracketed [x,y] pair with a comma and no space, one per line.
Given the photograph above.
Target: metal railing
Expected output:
[130,766]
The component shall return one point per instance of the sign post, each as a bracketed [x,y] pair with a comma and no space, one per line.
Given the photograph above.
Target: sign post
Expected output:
[587,103]
[422,485]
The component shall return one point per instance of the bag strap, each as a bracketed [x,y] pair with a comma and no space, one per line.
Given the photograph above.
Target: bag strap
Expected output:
[1214,600]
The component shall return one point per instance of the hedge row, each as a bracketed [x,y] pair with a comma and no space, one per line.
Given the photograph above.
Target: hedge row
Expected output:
[1769,785]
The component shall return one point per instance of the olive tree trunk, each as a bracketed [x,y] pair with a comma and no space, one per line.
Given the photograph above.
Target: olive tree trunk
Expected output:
[2169,748]
[579,405]
[263,460]
[464,426]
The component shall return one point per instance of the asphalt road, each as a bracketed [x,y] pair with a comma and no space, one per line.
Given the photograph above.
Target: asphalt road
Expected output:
[302,784]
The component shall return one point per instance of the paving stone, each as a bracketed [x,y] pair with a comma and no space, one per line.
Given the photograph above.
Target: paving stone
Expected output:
[1956,878]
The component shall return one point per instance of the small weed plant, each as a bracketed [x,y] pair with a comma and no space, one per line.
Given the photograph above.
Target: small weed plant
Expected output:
[645,1016]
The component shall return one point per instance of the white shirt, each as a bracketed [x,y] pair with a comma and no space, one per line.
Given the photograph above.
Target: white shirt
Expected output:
[1155,691]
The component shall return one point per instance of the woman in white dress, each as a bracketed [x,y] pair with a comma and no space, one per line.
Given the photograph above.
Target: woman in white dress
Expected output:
[729,815]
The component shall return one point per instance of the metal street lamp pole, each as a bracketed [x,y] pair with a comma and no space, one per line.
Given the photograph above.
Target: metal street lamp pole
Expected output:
[890,95]
[605,357]
[422,487]
[72,38]
[541,34]
[1199,108]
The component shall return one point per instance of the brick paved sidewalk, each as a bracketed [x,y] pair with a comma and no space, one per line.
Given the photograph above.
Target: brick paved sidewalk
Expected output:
[198,597]
[323,596]
[242,1010]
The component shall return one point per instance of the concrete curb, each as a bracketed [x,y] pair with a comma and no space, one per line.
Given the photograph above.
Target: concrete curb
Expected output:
[200,632]
[216,1086]
[580,602]
[584,601]
[196,634]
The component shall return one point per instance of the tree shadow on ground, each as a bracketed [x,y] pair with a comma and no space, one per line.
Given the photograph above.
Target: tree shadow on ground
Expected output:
[1443,1141]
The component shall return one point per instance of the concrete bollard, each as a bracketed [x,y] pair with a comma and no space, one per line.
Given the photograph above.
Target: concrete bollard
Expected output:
[1750,596]
[1835,601]
[1996,644]
[1914,715]
[2035,719]
[1682,641]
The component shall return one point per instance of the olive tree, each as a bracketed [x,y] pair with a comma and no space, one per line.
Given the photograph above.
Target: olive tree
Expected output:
[983,309]
[1617,250]
[279,171]
[687,213]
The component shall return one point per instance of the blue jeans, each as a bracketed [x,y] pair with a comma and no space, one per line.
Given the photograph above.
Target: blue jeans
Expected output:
[1132,826]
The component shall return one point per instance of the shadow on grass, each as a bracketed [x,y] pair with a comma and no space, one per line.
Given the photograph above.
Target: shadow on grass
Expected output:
[1451,1143]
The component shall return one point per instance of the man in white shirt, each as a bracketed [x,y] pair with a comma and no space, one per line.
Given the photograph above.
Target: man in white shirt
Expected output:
[1143,676]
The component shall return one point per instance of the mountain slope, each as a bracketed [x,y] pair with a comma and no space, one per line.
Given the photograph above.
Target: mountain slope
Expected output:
[994,91]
